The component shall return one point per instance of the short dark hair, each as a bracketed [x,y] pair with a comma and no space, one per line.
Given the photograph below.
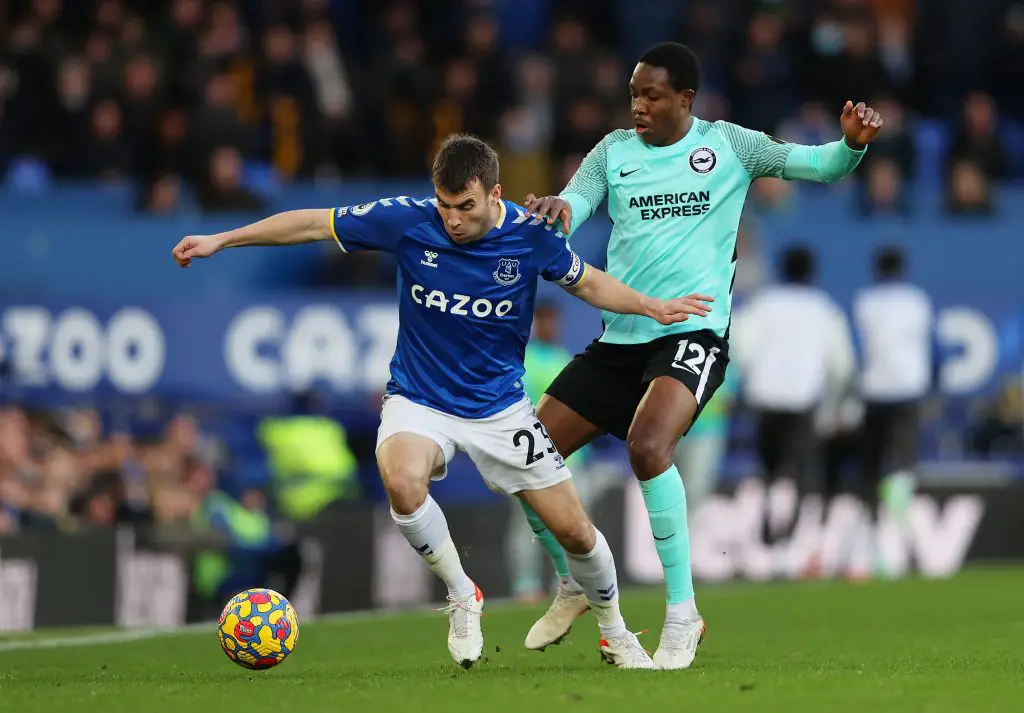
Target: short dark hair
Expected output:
[798,265]
[678,60]
[461,159]
[889,263]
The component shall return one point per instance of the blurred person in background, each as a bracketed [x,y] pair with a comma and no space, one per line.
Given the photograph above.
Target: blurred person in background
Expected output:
[214,122]
[335,97]
[883,191]
[895,323]
[977,137]
[59,471]
[999,430]
[845,59]
[169,148]
[765,73]
[254,554]
[525,128]
[841,432]
[222,188]
[285,87]
[162,196]
[311,464]
[107,152]
[969,192]
[141,92]
[793,347]
[17,470]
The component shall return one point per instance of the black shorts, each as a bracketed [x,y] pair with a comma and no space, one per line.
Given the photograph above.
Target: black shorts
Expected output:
[606,382]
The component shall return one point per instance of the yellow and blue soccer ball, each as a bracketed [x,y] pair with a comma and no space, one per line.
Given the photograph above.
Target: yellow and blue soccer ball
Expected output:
[258,629]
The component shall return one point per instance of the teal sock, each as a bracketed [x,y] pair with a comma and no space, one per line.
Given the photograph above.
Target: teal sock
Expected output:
[665,499]
[547,541]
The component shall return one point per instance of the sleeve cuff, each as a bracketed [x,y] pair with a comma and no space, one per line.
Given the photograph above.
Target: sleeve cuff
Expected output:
[581,210]
[851,150]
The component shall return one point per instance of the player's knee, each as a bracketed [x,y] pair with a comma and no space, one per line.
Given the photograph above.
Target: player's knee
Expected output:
[406,489]
[577,535]
[649,457]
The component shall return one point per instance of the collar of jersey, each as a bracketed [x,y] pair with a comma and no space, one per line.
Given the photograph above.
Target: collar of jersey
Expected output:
[691,137]
[502,212]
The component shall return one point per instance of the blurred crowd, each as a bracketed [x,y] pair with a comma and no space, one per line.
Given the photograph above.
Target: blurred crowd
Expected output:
[218,99]
[60,470]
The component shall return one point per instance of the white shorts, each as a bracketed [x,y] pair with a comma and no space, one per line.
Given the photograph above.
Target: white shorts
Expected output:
[510,449]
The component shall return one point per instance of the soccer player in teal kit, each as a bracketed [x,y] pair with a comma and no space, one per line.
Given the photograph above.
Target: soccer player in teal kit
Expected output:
[675,185]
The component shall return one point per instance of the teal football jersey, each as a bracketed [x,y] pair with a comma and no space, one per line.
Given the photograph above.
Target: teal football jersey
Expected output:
[675,211]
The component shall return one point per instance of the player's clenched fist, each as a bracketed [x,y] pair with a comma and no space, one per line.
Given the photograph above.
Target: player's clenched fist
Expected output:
[679,309]
[551,207]
[860,124]
[195,246]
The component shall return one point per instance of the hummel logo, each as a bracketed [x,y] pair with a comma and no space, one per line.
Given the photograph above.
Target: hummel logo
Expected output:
[623,173]
[431,256]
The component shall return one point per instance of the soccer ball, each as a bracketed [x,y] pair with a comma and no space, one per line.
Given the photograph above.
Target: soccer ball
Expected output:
[258,629]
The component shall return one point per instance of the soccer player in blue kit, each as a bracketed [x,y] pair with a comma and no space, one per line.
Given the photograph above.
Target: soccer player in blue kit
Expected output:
[468,268]
[676,185]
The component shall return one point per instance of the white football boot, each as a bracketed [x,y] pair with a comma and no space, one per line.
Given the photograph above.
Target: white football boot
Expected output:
[625,651]
[557,621]
[465,637]
[679,641]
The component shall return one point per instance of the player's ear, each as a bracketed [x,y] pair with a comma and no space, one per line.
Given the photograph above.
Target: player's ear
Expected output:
[495,194]
[687,96]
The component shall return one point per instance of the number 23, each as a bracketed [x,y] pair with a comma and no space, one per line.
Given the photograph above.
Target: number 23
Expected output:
[532,456]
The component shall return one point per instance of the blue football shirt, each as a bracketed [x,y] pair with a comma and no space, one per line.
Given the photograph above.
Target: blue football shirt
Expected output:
[464,311]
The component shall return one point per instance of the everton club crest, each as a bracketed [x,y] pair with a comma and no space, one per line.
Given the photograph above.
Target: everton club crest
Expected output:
[507,272]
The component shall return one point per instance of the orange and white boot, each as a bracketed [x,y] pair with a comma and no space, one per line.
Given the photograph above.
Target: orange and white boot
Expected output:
[465,636]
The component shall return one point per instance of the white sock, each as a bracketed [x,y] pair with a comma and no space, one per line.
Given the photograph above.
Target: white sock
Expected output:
[569,584]
[682,611]
[427,531]
[595,573]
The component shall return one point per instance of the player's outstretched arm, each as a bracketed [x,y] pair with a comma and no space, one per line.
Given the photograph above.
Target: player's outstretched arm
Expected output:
[603,291]
[833,161]
[765,157]
[289,228]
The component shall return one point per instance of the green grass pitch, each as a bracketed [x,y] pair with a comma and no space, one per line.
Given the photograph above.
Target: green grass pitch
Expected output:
[910,647]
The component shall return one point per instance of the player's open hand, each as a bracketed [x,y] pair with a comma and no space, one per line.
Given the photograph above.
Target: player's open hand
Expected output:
[680,308]
[860,123]
[195,246]
[552,208]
